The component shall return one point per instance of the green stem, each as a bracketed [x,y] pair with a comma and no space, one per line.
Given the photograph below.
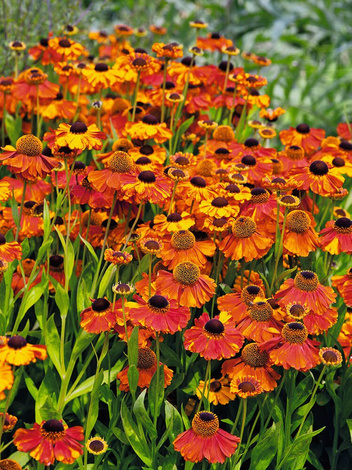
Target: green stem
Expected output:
[172,197]
[133,226]
[279,252]
[207,371]
[239,412]
[244,414]
[164,86]
[96,276]
[21,210]
[135,96]
[157,344]
[311,401]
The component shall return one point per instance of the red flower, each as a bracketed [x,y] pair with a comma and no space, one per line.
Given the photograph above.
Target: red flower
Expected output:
[49,441]
[336,237]
[213,338]
[205,440]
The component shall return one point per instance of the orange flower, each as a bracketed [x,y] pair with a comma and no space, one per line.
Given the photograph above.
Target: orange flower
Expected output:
[27,159]
[213,42]
[159,314]
[170,51]
[174,222]
[304,136]
[18,352]
[215,338]
[246,386]
[146,366]
[148,186]
[255,363]
[205,440]
[67,48]
[44,53]
[306,289]
[336,237]
[77,136]
[219,391]
[6,379]
[300,238]
[51,440]
[101,76]
[59,108]
[9,251]
[33,83]
[9,423]
[247,240]
[117,257]
[318,177]
[98,317]
[293,348]
[186,285]
[259,323]
[236,303]
[183,246]
[149,128]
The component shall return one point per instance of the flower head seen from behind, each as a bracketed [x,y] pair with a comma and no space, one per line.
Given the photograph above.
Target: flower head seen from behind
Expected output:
[49,441]
[205,440]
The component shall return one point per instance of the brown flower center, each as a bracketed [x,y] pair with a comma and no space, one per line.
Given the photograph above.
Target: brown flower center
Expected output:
[17,342]
[319,168]
[343,225]
[294,333]
[146,358]
[261,311]
[78,128]
[186,273]
[158,304]
[215,386]
[100,305]
[205,424]
[29,145]
[249,293]
[303,129]
[253,357]
[120,162]
[246,387]
[298,221]
[259,195]
[214,327]
[306,280]
[183,240]
[244,227]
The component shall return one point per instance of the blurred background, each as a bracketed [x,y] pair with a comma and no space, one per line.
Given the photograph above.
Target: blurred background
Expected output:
[308,41]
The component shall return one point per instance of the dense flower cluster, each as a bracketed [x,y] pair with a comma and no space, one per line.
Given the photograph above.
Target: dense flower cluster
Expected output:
[160,174]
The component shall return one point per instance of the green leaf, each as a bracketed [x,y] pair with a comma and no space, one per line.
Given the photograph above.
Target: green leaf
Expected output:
[156,392]
[62,300]
[173,359]
[349,424]
[31,386]
[83,340]
[133,347]
[136,440]
[52,341]
[46,398]
[105,282]
[94,403]
[82,295]
[13,127]
[173,421]
[264,452]
[302,392]
[142,415]
[121,436]
[133,376]
[299,449]
[90,249]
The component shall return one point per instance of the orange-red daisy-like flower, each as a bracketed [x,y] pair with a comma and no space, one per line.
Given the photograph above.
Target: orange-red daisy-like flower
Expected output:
[170,51]
[117,257]
[183,246]
[318,177]
[255,363]
[6,379]
[259,323]
[246,386]
[9,251]
[300,238]
[304,136]
[9,423]
[146,366]
[51,440]
[205,440]
[32,84]
[98,317]
[293,348]
[149,128]
[43,52]
[148,186]
[18,352]
[306,289]
[100,76]
[236,303]
[76,136]
[186,285]
[159,313]
[27,159]
[215,338]
[336,237]
[247,240]
[219,391]
[67,48]
[213,42]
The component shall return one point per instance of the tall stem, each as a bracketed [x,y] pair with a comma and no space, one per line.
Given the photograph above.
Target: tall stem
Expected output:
[135,96]
[244,415]
[164,86]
